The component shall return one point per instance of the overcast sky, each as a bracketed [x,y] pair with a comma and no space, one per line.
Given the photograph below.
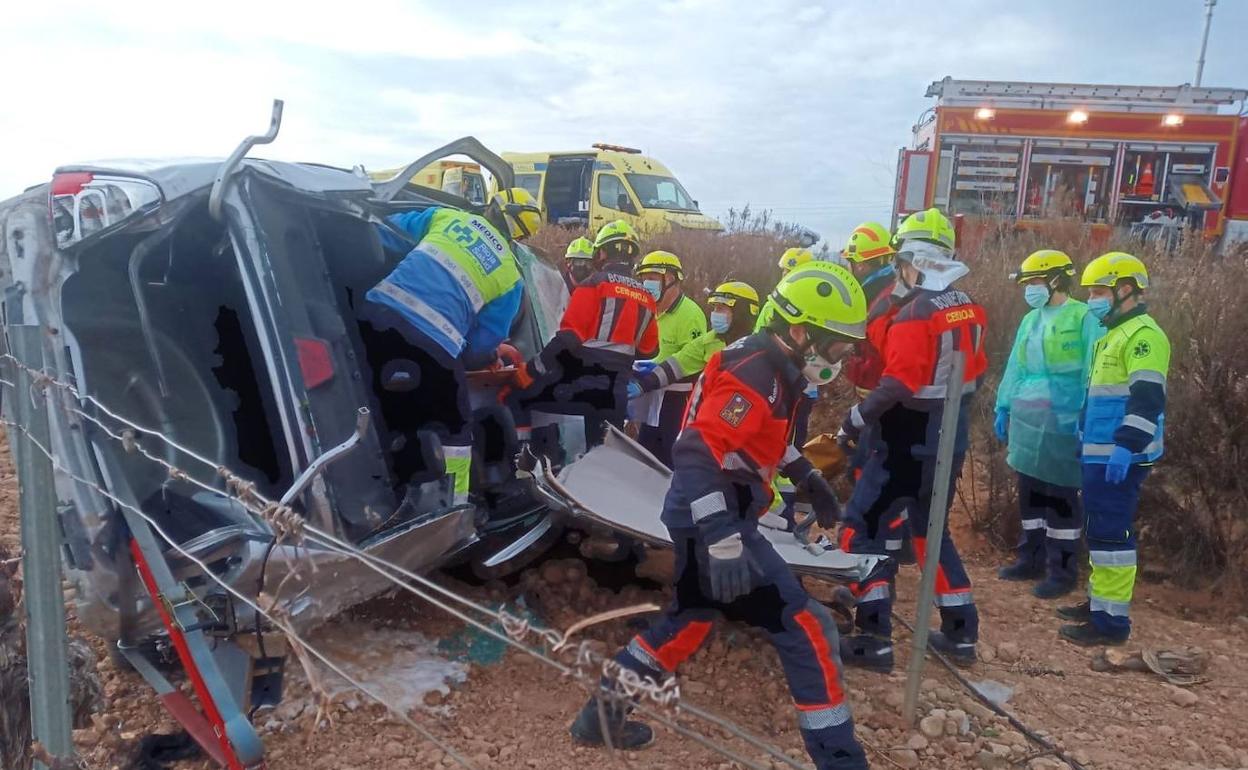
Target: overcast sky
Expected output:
[794,106]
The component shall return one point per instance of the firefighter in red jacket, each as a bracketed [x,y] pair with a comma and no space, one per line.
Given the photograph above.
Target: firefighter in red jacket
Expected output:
[584,370]
[869,252]
[928,324]
[738,433]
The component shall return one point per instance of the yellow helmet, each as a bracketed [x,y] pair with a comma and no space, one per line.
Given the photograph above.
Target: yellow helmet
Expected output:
[1045,263]
[793,257]
[1109,269]
[581,248]
[661,262]
[824,295]
[619,239]
[521,210]
[869,240]
[930,225]
[732,292]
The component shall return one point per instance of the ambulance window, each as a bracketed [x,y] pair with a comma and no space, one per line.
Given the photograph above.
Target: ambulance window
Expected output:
[610,188]
[530,182]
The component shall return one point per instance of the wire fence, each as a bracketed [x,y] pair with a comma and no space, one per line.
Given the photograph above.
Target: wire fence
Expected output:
[661,701]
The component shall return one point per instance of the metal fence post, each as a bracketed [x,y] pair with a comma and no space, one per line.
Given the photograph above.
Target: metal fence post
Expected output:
[47,651]
[935,528]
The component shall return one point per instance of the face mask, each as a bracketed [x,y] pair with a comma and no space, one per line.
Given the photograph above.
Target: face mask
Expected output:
[654,286]
[720,321]
[581,270]
[1100,306]
[818,371]
[1036,296]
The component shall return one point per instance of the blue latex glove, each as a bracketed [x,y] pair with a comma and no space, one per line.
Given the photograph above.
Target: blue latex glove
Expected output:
[1001,426]
[1119,464]
[644,367]
[634,389]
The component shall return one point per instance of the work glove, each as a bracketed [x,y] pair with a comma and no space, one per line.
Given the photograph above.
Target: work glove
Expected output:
[728,567]
[634,388]
[851,427]
[1001,425]
[823,500]
[1118,465]
[811,483]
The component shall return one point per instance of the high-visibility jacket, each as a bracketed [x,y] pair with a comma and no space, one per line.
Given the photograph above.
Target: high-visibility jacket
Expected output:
[738,431]
[1127,390]
[611,318]
[1043,389]
[679,328]
[917,337]
[460,285]
[684,364]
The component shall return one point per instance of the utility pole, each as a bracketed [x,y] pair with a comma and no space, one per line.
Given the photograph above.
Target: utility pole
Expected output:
[1204,41]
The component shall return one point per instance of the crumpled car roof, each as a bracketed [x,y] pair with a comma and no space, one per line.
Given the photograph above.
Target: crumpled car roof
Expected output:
[181,176]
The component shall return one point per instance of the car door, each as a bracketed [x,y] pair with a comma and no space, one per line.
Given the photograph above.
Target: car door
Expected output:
[320,381]
[612,200]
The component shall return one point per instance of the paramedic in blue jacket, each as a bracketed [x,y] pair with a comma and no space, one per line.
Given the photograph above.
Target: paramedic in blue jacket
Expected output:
[444,309]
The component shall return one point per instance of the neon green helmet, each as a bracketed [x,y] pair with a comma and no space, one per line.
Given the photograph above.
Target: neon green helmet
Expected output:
[733,292]
[619,240]
[793,257]
[931,226]
[1045,263]
[869,240]
[661,262]
[1109,269]
[824,295]
[581,248]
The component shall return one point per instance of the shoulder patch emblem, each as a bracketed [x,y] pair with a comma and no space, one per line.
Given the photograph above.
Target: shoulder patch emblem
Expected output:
[1142,349]
[735,410]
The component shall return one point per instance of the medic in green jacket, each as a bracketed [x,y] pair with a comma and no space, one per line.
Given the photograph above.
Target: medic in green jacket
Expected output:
[1039,402]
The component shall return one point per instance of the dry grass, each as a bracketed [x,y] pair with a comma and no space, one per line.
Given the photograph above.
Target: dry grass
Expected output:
[1193,518]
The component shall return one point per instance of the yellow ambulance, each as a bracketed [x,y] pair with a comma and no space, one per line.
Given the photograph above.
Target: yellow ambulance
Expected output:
[457,177]
[608,182]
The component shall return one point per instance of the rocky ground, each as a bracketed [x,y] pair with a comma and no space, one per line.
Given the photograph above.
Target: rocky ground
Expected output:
[513,713]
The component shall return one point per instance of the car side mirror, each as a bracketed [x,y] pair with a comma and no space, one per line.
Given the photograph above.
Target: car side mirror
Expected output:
[623,203]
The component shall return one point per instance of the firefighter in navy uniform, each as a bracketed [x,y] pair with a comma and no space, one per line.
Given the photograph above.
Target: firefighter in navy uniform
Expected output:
[870,251]
[610,321]
[738,433]
[928,324]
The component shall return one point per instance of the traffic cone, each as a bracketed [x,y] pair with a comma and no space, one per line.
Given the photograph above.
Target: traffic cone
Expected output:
[1145,188]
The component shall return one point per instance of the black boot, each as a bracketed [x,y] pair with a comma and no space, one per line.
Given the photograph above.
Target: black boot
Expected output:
[1052,588]
[866,651]
[625,735]
[1088,635]
[1021,570]
[1079,613]
[961,654]
[906,555]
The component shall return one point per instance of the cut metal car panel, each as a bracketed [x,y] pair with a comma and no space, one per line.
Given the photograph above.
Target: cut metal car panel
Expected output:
[621,485]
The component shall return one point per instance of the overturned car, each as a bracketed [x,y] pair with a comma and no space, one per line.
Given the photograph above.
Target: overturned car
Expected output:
[196,327]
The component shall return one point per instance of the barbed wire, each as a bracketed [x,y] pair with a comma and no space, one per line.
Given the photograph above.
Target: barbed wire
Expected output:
[285,627]
[625,683]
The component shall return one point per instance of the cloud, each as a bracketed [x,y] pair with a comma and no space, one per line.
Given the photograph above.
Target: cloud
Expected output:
[792,104]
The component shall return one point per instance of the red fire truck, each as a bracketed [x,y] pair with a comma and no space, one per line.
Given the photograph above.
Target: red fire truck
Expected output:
[1152,160]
